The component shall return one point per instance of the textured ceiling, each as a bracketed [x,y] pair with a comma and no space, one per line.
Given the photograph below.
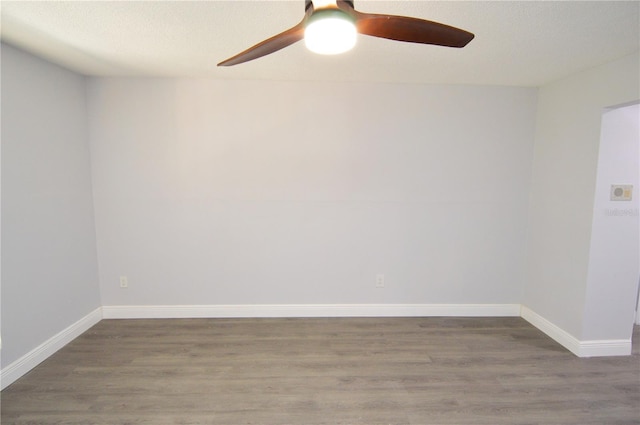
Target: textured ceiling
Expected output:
[525,43]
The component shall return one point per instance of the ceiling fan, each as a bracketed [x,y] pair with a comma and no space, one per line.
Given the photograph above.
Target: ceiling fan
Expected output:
[337,22]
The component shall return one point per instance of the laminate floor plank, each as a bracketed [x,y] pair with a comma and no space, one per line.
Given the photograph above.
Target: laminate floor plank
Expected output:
[324,371]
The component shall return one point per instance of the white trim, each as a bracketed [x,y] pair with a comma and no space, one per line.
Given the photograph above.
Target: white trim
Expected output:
[556,333]
[39,354]
[603,348]
[613,347]
[580,348]
[309,310]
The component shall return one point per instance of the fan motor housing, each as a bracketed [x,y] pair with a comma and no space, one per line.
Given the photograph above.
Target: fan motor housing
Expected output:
[309,3]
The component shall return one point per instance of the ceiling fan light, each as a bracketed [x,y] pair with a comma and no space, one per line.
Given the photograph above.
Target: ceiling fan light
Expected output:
[330,32]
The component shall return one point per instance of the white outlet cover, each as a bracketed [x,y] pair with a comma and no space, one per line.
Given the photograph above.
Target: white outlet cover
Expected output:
[621,192]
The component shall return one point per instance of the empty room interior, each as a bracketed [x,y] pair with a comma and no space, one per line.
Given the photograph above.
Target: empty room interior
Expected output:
[438,226]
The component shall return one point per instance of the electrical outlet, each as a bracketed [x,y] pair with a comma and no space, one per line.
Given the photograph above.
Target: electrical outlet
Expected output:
[379,280]
[124,282]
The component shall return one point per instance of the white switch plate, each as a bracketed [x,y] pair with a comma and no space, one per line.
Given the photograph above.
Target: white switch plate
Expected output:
[124,282]
[379,280]
[621,192]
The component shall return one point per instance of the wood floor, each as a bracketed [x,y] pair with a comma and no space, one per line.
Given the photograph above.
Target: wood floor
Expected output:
[324,371]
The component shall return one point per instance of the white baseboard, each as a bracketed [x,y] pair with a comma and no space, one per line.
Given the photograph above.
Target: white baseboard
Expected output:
[603,348]
[579,348]
[36,356]
[559,335]
[309,310]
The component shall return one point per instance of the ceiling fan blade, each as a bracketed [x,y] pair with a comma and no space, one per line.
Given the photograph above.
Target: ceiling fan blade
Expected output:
[414,30]
[268,46]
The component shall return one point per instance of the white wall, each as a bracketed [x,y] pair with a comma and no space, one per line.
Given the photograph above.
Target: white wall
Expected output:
[614,256]
[569,116]
[238,192]
[49,262]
